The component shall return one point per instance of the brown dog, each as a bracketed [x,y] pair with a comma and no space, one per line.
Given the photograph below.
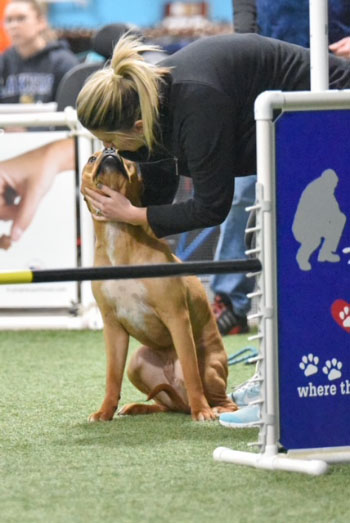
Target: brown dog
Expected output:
[182,363]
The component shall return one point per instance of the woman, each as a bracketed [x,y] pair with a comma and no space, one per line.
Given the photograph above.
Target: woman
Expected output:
[192,115]
[32,68]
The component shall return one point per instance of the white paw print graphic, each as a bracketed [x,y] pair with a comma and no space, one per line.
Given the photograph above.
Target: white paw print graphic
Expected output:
[344,315]
[309,364]
[332,369]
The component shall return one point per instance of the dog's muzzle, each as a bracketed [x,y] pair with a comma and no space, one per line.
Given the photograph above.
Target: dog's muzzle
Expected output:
[111,163]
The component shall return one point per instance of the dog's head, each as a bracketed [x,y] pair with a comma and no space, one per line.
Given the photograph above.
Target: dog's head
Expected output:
[108,168]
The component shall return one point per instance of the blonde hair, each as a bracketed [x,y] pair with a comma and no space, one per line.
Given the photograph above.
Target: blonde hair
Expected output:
[40,8]
[124,91]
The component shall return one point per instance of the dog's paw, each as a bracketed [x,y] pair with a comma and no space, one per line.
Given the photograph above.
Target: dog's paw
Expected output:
[204,414]
[100,416]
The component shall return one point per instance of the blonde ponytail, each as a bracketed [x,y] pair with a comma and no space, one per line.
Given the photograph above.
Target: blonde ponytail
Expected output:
[125,91]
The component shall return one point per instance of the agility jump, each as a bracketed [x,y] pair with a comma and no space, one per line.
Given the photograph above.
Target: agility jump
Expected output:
[129,272]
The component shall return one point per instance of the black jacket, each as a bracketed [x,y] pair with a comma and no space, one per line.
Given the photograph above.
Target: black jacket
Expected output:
[34,79]
[207,123]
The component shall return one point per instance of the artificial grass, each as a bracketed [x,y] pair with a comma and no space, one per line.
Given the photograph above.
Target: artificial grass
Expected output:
[56,467]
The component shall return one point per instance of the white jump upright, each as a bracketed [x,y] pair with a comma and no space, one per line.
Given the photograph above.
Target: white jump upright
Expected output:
[319,45]
[304,365]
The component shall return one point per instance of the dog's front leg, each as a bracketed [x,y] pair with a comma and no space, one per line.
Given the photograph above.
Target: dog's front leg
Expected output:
[117,342]
[182,336]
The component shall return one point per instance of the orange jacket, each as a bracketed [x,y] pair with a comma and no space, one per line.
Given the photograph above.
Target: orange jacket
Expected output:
[4,39]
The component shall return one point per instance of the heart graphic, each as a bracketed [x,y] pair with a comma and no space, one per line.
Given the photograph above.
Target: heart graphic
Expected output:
[341,314]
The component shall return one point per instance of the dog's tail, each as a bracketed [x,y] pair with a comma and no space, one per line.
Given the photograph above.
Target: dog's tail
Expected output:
[179,404]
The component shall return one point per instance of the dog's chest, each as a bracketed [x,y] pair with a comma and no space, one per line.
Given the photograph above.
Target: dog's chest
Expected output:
[129,301]
[112,232]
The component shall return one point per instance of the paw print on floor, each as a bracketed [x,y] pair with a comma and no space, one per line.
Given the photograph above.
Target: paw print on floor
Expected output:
[309,364]
[332,369]
[344,315]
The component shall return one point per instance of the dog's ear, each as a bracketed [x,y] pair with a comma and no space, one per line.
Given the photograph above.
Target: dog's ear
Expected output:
[88,173]
[90,168]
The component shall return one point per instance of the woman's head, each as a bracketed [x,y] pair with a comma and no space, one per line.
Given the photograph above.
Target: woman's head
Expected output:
[123,97]
[26,24]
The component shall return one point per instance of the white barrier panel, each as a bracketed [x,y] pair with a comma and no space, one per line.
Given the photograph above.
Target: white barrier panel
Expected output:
[51,238]
[60,234]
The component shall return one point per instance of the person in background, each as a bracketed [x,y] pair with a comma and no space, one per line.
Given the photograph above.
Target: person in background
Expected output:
[285,20]
[31,69]
[231,302]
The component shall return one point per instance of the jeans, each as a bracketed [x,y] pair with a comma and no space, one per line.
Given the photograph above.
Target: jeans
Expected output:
[231,245]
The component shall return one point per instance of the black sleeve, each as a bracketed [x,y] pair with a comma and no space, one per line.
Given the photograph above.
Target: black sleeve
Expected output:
[207,140]
[244,16]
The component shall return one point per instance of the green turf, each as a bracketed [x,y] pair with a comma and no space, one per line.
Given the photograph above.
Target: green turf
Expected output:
[56,467]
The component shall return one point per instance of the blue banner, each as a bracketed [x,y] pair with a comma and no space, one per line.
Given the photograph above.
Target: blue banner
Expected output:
[313,277]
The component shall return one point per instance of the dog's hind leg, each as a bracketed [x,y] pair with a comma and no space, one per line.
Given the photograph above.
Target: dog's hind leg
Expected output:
[150,370]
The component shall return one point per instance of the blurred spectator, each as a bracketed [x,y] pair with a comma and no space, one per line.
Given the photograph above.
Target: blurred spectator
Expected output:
[31,69]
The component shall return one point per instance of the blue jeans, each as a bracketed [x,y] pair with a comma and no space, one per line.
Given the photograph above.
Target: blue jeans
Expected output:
[231,245]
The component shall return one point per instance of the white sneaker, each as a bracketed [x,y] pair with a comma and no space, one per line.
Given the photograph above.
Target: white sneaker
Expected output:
[247,392]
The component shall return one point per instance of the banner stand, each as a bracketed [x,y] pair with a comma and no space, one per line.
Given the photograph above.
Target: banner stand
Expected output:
[304,365]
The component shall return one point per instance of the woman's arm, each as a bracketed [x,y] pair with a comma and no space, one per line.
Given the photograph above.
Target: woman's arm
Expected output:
[208,129]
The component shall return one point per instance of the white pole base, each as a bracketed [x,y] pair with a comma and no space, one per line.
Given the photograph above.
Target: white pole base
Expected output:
[314,467]
[329,454]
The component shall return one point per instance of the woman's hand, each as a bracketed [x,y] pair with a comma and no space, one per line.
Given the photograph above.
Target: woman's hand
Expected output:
[112,206]
[341,48]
